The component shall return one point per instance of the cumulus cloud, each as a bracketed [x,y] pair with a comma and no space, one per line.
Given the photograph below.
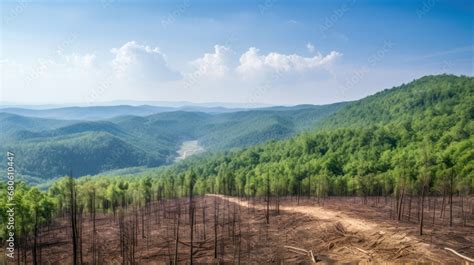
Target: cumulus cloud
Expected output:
[252,62]
[134,60]
[216,64]
[140,71]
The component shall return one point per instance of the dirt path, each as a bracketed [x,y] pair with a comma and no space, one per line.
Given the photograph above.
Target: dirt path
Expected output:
[378,240]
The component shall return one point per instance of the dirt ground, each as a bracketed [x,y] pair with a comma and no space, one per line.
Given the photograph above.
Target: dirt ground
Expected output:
[346,231]
[343,231]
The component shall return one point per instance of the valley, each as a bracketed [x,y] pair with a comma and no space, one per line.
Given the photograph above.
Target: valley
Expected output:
[50,148]
[189,148]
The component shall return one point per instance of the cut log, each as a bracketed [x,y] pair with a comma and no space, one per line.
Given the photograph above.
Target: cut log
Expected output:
[460,255]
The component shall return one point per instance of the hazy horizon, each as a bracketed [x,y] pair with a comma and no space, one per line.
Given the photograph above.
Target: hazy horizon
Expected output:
[179,103]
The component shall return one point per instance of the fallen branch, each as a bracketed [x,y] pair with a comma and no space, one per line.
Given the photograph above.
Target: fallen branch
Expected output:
[459,255]
[295,251]
[363,251]
[298,249]
[313,258]
[349,249]
[302,251]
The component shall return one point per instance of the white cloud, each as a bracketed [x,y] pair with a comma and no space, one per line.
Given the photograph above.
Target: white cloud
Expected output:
[134,60]
[82,61]
[251,62]
[215,64]
[138,71]
[310,47]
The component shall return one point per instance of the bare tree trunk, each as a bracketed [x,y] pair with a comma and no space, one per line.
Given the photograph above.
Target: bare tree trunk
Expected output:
[216,220]
[80,234]
[35,240]
[463,215]
[409,207]
[204,219]
[73,219]
[94,230]
[267,215]
[400,205]
[191,220]
[178,214]
[443,205]
[422,209]
[191,224]
[451,200]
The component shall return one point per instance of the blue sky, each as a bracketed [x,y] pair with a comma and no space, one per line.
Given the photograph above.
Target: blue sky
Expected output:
[270,51]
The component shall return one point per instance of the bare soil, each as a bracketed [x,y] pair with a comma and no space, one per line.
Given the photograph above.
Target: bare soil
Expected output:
[342,231]
[369,236]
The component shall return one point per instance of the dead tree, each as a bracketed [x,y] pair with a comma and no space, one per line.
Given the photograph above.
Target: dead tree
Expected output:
[191,218]
[216,222]
[267,215]
[178,215]
[422,208]
[451,180]
[94,229]
[204,219]
[35,240]
[73,218]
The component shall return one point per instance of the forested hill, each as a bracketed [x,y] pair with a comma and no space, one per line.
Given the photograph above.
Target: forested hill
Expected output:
[48,148]
[427,101]
[418,136]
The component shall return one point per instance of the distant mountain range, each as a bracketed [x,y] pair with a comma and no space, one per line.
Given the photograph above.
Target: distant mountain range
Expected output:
[106,112]
[88,140]
[94,113]
[174,105]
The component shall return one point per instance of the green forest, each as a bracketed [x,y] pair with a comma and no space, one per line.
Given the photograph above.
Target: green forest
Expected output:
[50,148]
[412,140]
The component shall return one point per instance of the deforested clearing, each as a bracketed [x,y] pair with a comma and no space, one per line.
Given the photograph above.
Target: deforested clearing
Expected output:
[233,230]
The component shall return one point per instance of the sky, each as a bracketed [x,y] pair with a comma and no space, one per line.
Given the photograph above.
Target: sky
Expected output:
[261,51]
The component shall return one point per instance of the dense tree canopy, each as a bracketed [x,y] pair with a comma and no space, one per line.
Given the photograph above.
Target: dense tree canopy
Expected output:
[51,148]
